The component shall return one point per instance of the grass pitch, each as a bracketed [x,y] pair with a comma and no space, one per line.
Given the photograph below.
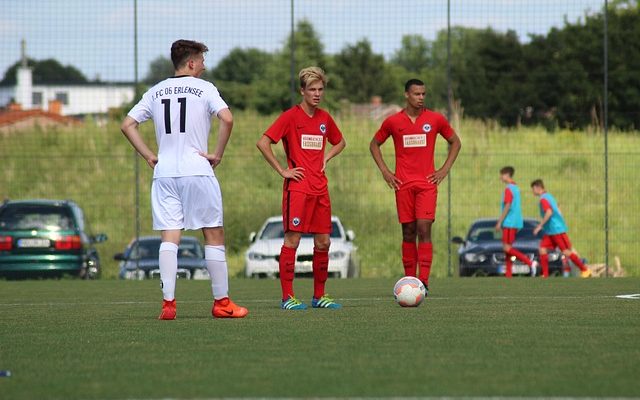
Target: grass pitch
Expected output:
[473,337]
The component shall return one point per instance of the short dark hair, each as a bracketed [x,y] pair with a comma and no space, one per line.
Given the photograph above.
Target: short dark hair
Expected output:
[412,82]
[538,183]
[182,50]
[508,170]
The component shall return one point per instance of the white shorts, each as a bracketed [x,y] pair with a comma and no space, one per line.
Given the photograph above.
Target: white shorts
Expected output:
[188,202]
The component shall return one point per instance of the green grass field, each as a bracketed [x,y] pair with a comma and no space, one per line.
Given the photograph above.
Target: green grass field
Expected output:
[473,337]
[94,165]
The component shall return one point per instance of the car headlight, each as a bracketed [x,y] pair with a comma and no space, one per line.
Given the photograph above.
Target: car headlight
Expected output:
[475,257]
[256,256]
[555,256]
[336,255]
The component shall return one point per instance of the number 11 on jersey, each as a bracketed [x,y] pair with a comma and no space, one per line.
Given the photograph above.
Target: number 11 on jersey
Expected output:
[167,114]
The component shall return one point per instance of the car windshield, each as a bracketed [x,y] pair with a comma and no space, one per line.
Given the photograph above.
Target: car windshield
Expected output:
[485,232]
[274,230]
[151,248]
[39,217]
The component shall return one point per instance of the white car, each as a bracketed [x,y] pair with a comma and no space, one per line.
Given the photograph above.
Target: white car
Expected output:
[261,259]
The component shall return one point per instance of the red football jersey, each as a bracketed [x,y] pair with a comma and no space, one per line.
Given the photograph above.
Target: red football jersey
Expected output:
[304,139]
[414,143]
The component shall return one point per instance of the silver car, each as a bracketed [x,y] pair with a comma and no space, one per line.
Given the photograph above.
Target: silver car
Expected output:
[261,259]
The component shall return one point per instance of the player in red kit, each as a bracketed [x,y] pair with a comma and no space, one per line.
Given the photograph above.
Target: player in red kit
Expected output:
[414,131]
[304,130]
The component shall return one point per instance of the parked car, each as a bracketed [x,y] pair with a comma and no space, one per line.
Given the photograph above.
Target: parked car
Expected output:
[261,259]
[47,238]
[481,253]
[140,259]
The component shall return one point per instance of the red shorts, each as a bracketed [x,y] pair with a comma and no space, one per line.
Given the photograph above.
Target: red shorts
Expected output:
[509,235]
[560,241]
[417,202]
[306,213]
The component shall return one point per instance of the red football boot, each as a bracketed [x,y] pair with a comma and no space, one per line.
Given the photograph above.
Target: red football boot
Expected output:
[225,308]
[168,310]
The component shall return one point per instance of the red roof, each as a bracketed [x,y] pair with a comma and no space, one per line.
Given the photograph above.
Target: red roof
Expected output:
[12,117]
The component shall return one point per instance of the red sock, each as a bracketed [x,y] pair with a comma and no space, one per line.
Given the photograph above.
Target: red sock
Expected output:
[320,271]
[577,261]
[508,265]
[409,258]
[519,256]
[425,255]
[287,270]
[566,268]
[544,262]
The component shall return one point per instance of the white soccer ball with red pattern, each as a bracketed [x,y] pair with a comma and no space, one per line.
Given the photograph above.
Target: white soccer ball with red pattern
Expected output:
[409,291]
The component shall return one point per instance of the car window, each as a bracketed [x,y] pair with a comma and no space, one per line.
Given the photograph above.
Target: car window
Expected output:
[485,232]
[150,248]
[40,217]
[189,249]
[274,230]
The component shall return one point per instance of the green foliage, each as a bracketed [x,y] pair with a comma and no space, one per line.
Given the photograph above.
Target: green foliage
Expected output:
[46,71]
[471,338]
[414,53]
[160,69]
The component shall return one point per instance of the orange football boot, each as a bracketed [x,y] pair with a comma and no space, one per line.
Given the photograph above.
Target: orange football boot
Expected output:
[225,308]
[168,310]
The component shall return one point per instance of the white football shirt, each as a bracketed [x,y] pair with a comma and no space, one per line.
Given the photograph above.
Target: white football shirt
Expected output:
[181,108]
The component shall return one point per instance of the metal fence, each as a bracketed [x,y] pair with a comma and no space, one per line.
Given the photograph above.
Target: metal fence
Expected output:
[115,44]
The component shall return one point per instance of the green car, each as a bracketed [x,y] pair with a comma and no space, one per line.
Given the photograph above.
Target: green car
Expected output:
[43,238]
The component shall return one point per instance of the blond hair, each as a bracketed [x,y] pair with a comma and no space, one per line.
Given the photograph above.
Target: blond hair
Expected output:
[310,75]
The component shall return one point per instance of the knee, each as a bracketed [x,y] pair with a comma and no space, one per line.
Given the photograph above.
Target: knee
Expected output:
[291,241]
[506,247]
[543,251]
[322,244]
[566,252]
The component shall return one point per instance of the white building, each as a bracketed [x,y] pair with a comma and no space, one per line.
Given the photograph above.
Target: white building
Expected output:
[76,99]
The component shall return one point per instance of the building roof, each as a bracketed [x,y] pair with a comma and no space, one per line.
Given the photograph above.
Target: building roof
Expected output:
[18,119]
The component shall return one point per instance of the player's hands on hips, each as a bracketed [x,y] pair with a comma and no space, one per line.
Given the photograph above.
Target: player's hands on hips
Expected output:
[437,176]
[297,174]
[392,180]
[152,161]
[213,159]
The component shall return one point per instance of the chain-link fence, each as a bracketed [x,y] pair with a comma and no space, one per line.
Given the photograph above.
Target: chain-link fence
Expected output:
[524,83]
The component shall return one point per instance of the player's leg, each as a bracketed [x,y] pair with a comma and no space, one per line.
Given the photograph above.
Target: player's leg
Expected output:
[287,265]
[319,217]
[507,239]
[511,251]
[565,246]
[425,211]
[167,215]
[545,244]
[405,203]
[425,250]
[202,203]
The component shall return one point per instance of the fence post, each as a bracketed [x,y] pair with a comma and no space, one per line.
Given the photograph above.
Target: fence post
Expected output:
[449,98]
[606,134]
[136,161]
[292,72]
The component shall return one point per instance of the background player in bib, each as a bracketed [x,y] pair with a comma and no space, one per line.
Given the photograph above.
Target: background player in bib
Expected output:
[306,208]
[185,193]
[555,231]
[511,222]
[414,131]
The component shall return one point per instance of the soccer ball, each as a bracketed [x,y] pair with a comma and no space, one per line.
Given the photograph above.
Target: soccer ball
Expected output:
[409,291]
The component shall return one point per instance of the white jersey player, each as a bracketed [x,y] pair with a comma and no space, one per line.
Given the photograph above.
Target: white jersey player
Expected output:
[185,193]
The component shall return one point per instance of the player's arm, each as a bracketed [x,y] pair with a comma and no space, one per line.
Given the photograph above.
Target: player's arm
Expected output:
[547,215]
[454,148]
[224,133]
[389,177]
[264,145]
[505,211]
[334,151]
[129,128]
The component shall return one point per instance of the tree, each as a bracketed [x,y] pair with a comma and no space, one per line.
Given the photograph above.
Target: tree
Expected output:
[160,69]
[242,66]
[364,74]
[414,53]
[273,91]
[46,72]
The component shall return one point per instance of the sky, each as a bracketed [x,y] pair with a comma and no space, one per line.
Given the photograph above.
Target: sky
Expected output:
[96,36]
